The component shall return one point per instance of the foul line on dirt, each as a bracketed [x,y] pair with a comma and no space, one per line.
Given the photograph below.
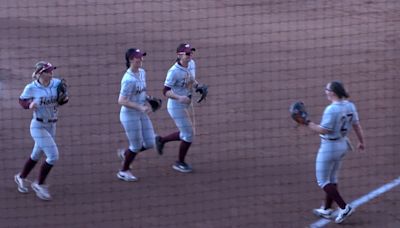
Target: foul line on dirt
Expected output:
[356,203]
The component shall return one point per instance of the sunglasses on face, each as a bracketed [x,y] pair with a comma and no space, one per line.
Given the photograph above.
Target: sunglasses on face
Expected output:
[48,71]
[186,53]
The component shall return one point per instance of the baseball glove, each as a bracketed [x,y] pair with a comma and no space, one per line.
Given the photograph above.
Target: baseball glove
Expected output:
[62,92]
[155,103]
[203,91]
[298,113]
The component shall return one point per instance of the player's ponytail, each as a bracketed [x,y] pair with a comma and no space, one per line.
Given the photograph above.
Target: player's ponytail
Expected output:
[338,88]
[128,55]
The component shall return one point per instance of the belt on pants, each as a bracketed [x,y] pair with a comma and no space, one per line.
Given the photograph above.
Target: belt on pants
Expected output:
[334,139]
[46,121]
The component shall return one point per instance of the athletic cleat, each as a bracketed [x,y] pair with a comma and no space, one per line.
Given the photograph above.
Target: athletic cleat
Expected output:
[323,213]
[121,154]
[126,176]
[159,145]
[21,183]
[344,213]
[42,191]
[182,167]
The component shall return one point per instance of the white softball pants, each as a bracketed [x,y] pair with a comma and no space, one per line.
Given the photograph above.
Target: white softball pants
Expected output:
[138,129]
[44,136]
[329,160]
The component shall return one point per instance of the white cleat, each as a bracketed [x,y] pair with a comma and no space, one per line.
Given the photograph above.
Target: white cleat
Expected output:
[126,176]
[42,191]
[323,213]
[21,183]
[344,213]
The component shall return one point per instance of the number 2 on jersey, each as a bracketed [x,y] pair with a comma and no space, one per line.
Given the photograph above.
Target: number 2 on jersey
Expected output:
[345,123]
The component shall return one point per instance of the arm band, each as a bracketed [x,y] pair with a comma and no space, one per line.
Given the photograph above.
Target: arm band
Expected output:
[25,103]
[166,89]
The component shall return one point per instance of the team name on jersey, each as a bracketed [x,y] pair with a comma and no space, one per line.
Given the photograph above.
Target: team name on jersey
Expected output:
[48,101]
[140,89]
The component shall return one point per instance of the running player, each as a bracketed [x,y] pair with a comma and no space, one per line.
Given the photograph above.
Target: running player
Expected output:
[41,97]
[178,87]
[338,119]
[134,112]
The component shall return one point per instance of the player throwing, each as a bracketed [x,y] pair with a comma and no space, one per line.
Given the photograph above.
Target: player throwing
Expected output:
[337,120]
[42,98]
[178,87]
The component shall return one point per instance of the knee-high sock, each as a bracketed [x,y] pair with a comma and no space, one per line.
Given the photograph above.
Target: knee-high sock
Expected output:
[183,149]
[171,137]
[331,190]
[329,200]
[44,171]
[29,165]
[129,157]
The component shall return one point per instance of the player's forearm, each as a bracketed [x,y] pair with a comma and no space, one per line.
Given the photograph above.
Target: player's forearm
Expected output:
[171,95]
[359,132]
[129,104]
[316,128]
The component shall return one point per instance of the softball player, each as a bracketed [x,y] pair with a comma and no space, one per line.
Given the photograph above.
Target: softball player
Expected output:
[178,87]
[134,112]
[337,120]
[41,97]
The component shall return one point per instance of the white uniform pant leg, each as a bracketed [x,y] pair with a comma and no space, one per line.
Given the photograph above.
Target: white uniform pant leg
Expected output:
[179,113]
[148,132]
[329,161]
[43,134]
[131,121]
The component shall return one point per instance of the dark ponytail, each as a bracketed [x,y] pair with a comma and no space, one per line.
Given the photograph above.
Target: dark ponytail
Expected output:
[128,56]
[338,88]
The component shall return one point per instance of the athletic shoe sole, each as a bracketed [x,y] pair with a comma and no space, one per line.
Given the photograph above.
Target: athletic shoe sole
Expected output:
[347,215]
[322,215]
[39,194]
[126,179]
[21,190]
[182,170]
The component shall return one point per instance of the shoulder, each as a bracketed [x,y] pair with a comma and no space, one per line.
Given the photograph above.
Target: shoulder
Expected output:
[332,108]
[351,105]
[173,68]
[55,82]
[127,77]
[31,85]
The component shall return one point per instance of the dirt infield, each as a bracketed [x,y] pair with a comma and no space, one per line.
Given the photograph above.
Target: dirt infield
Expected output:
[253,167]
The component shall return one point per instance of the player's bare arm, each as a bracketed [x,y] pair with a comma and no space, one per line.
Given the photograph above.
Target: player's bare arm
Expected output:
[122,100]
[182,99]
[360,136]
[317,128]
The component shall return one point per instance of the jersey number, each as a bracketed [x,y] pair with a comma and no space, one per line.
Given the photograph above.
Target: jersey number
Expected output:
[345,123]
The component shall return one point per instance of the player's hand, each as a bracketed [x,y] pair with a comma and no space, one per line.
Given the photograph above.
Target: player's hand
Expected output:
[145,109]
[184,99]
[361,147]
[33,105]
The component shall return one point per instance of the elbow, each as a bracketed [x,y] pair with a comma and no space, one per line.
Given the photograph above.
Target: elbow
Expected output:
[121,101]
[165,90]
[25,103]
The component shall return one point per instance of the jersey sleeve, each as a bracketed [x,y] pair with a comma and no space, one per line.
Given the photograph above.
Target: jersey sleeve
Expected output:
[27,93]
[127,88]
[170,80]
[328,119]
